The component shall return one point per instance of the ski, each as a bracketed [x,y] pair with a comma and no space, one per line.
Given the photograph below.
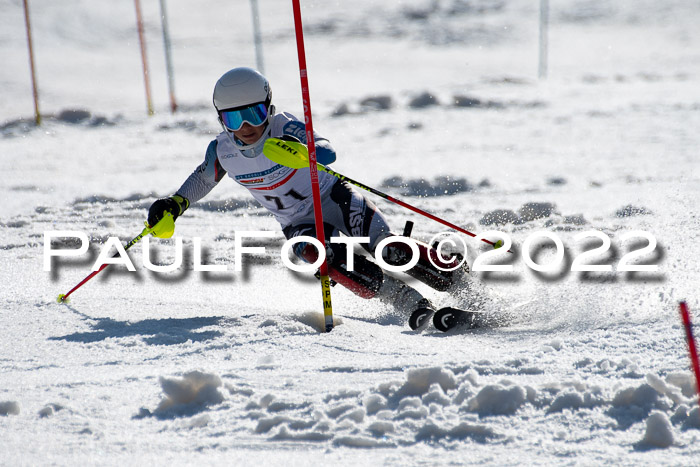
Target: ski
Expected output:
[444,319]
[449,318]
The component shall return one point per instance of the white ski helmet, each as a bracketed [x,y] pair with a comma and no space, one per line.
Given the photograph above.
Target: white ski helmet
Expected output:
[243,95]
[241,87]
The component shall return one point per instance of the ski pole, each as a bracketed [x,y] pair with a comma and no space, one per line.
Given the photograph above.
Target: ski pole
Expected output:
[293,154]
[164,228]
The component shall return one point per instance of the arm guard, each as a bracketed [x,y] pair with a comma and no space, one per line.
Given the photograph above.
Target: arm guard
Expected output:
[325,154]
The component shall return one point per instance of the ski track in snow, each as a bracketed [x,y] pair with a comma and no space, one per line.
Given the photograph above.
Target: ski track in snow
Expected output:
[232,367]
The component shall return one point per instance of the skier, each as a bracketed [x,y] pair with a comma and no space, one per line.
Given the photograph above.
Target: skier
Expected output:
[243,102]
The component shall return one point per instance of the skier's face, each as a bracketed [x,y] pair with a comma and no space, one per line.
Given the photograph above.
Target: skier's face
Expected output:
[248,133]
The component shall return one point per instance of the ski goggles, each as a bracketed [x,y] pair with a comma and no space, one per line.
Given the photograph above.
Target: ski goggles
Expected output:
[233,119]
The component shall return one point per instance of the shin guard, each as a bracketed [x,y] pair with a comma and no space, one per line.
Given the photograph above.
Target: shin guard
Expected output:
[398,254]
[364,280]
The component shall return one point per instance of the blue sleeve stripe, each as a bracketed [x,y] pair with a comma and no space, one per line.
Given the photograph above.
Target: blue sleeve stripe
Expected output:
[325,154]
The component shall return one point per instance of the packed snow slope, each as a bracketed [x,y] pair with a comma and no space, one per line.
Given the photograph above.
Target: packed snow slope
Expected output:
[435,102]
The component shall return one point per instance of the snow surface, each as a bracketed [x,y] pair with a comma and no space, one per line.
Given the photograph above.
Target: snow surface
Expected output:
[231,367]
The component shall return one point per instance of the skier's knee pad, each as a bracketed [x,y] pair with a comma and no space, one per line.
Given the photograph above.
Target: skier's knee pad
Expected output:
[438,273]
[364,280]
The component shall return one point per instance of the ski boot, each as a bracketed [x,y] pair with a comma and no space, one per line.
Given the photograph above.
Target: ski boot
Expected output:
[405,298]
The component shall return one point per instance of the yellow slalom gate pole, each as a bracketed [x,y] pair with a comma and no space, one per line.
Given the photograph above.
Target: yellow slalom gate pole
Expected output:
[311,143]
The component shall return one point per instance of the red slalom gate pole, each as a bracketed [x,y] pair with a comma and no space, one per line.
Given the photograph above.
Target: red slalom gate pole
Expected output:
[35,89]
[685,315]
[144,61]
[311,144]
